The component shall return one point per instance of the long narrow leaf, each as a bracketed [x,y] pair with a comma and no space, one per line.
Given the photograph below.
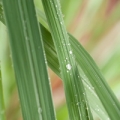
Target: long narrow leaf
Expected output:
[92,72]
[80,51]
[29,60]
[77,103]
[53,63]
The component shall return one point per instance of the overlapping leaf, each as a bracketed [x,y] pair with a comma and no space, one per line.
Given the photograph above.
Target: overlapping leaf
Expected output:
[89,64]
[76,99]
[29,60]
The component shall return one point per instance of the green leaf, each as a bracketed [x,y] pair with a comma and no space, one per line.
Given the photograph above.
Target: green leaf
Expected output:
[54,65]
[92,72]
[29,60]
[48,42]
[95,77]
[76,99]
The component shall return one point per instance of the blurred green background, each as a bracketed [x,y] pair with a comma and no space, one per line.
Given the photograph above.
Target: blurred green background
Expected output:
[96,24]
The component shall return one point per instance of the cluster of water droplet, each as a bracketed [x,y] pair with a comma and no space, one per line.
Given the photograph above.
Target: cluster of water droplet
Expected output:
[1,12]
[68,66]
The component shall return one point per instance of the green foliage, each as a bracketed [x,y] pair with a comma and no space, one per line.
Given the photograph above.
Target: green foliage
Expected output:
[75,94]
[96,78]
[93,74]
[29,62]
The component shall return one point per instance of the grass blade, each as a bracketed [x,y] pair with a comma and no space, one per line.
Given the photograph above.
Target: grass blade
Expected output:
[93,73]
[29,60]
[102,89]
[51,58]
[77,103]
[78,50]
[54,65]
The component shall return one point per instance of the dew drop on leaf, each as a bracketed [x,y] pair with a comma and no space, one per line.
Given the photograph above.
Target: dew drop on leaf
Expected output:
[68,66]
[70,52]
[61,23]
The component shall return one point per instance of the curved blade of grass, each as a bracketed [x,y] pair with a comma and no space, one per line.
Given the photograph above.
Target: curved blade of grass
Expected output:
[90,93]
[76,99]
[29,60]
[94,75]
[54,65]
[84,60]
[94,65]
[77,47]
[102,89]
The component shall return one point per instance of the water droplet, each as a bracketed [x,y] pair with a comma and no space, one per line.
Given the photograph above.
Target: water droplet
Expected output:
[68,66]
[61,23]
[98,110]
[77,103]
[70,52]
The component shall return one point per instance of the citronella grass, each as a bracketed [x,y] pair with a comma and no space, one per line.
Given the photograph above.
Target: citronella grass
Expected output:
[29,60]
[76,99]
[85,62]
